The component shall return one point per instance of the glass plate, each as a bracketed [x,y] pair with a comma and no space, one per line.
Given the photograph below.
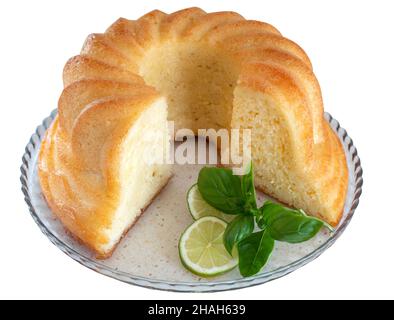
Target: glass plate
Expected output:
[148,255]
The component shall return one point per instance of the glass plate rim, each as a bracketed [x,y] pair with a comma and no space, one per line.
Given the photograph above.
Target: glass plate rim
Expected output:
[213,286]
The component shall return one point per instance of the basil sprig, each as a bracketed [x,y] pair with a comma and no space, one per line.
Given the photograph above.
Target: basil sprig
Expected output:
[236,195]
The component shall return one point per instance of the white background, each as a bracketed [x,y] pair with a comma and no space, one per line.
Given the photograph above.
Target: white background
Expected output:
[351,45]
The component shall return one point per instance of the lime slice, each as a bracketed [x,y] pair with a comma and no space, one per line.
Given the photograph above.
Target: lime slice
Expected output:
[199,208]
[201,248]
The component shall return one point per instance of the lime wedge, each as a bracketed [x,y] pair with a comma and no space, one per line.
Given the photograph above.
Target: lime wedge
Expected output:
[201,248]
[199,208]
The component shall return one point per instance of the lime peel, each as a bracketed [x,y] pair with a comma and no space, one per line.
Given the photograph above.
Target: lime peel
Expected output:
[199,208]
[204,236]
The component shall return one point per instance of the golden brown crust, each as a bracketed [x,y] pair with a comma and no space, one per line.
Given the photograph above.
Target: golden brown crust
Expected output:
[99,47]
[175,23]
[149,27]
[239,27]
[84,68]
[104,95]
[242,42]
[197,29]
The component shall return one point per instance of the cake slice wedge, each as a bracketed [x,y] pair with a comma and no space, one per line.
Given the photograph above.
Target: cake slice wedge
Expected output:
[99,201]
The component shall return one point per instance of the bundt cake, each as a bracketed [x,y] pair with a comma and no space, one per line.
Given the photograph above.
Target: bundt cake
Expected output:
[201,70]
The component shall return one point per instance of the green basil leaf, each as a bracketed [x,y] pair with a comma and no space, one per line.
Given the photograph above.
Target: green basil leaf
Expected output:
[254,252]
[238,229]
[221,189]
[325,224]
[289,225]
[248,190]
